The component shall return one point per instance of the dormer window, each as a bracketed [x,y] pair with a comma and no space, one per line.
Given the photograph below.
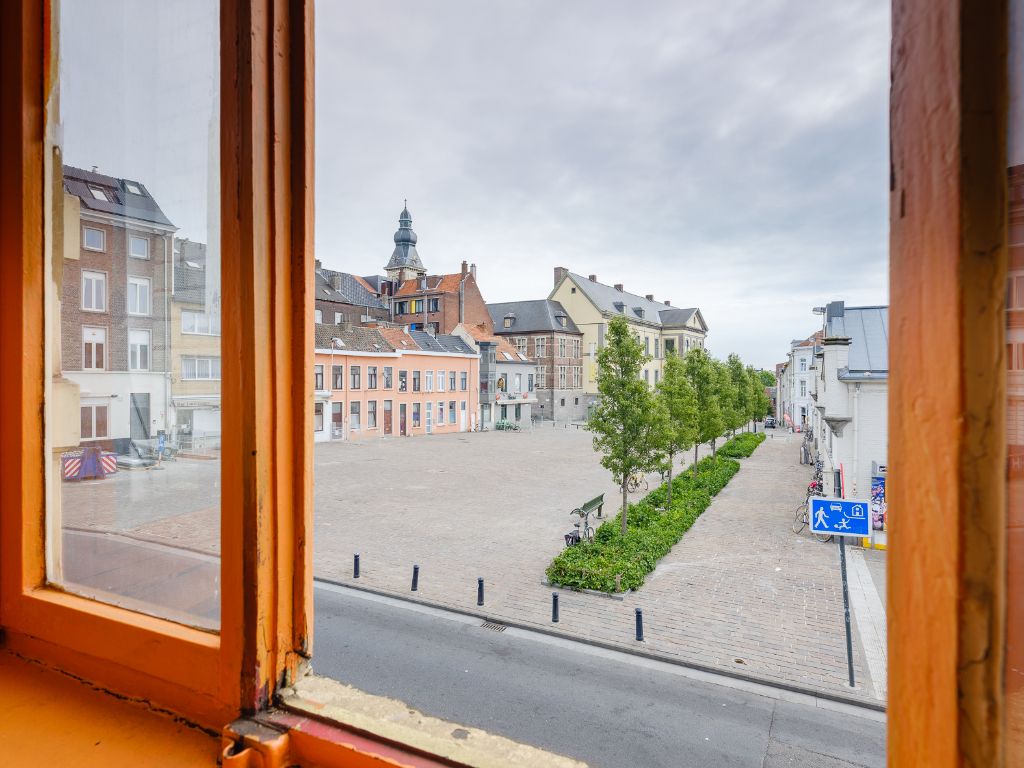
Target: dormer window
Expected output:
[99,194]
[561,320]
[620,306]
[510,320]
[638,311]
[133,188]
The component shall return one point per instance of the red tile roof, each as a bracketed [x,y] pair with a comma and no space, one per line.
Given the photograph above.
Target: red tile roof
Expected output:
[435,284]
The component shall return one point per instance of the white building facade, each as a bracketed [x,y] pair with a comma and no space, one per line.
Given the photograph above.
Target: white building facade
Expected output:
[850,394]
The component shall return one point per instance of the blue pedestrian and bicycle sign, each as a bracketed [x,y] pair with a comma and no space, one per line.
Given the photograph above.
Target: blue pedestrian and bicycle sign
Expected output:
[840,517]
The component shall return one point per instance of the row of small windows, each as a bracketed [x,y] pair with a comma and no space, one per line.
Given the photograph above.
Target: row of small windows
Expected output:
[96,240]
[94,293]
[540,345]
[421,380]
[416,305]
[95,358]
[355,413]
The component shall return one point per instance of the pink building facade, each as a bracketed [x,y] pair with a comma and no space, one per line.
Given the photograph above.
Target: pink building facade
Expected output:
[376,383]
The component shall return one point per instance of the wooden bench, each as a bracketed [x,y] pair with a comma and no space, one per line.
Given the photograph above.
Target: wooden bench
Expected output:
[575,537]
[595,503]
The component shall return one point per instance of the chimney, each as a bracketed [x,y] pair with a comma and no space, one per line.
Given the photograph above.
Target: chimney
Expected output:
[316,265]
[649,297]
[560,272]
[472,270]
[465,269]
[336,282]
[593,278]
[618,287]
[668,303]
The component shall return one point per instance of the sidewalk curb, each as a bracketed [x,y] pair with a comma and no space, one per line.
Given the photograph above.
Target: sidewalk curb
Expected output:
[721,671]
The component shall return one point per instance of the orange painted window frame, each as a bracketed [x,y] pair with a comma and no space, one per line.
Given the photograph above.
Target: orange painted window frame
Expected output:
[947,580]
[266,510]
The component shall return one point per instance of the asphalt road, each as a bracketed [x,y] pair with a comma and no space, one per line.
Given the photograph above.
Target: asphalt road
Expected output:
[605,708]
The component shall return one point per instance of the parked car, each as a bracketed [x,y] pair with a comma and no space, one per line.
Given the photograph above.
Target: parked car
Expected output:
[769,422]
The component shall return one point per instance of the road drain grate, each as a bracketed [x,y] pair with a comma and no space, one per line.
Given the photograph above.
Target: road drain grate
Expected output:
[492,626]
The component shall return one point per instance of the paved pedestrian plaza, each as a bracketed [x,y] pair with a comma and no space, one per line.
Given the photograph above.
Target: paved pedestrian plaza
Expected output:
[741,592]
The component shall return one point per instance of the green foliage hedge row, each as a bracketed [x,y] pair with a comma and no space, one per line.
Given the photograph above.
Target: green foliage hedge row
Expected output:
[651,534]
[741,446]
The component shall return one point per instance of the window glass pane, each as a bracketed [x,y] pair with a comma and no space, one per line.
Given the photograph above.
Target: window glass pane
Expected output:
[135,273]
[1014,663]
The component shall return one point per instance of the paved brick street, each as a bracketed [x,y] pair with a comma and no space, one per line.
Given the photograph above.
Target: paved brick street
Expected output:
[739,592]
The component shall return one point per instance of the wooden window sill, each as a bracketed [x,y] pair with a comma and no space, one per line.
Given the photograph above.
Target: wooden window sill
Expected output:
[326,723]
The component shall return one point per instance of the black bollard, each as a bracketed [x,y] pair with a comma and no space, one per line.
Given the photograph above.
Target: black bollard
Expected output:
[639,625]
[554,606]
[355,566]
[415,578]
[479,591]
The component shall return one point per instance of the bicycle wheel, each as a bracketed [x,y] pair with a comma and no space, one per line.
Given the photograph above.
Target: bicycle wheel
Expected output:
[588,535]
[824,538]
[800,519]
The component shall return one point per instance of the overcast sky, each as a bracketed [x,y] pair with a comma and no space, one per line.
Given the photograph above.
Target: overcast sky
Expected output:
[727,155]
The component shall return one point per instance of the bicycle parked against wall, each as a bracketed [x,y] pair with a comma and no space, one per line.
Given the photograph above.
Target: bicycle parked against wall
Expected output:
[815,489]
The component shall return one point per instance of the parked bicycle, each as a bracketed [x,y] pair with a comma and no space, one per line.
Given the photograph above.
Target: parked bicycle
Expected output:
[584,531]
[635,482]
[801,518]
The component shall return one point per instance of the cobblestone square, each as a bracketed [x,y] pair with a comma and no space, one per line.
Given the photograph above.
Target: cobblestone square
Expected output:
[740,592]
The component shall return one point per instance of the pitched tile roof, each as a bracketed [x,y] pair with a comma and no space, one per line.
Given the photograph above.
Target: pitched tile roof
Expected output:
[868,331]
[119,200]
[189,272]
[355,339]
[609,299]
[350,289]
[398,338]
[531,316]
[435,284]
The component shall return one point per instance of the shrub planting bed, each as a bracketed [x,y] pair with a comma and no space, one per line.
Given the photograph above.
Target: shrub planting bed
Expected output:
[652,532]
[741,446]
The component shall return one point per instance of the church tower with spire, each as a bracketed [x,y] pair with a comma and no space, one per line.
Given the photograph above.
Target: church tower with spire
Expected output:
[405,262]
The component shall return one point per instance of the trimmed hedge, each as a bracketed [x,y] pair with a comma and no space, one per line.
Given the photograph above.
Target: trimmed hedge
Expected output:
[741,446]
[651,534]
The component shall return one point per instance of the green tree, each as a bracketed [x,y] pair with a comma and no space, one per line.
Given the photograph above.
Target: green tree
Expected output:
[679,401]
[767,378]
[731,418]
[701,373]
[627,421]
[762,404]
[743,395]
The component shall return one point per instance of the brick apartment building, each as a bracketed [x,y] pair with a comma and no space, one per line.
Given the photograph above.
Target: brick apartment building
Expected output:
[116,245]
[543,331]
[436,303]
[344,298]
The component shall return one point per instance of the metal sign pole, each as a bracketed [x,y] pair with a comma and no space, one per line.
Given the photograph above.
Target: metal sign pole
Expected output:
[846,606]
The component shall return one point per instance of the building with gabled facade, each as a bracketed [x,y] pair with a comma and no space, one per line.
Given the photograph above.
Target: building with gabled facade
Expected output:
[340,297]
[117,247]
[507,378]
[850,393]
[195,350]
[436,303]
[542,330]
[661,328]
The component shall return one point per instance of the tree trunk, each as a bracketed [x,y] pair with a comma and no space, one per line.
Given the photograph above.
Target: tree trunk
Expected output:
[696,447]
[714,446]
[668,502]
[625,506]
